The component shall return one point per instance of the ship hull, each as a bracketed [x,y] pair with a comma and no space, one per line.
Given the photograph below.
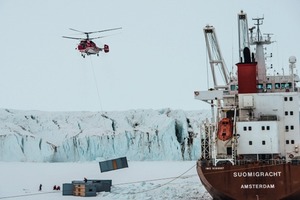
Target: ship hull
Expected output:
[252,181]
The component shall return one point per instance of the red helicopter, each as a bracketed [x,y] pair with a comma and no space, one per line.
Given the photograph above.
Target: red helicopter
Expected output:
[87,46]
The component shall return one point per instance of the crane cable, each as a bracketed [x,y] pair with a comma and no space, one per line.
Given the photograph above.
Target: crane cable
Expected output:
[98,94]
[96,83]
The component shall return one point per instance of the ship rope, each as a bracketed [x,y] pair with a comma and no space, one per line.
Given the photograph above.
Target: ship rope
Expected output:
[159,186]
[24,195]
[138,192]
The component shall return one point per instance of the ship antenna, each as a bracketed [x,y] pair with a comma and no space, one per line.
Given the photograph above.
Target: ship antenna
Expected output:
[259,21]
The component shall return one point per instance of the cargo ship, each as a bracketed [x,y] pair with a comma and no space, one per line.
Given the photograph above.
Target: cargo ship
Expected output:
[250,145]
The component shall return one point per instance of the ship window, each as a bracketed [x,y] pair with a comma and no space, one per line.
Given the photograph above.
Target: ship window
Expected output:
[286,113]
[268,127]
[292,141]
[245,128]
[250,128]
[285,98]
[269,86]
[292,127]
[291,98]
[259,86]
[277,85]
[229,150]
[263,142]
[291,113]
[232,87]
[250,142]
[286,128]
[287,141]
[284,85]
[263,128]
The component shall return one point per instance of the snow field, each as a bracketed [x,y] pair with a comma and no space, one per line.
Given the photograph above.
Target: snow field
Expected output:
[141,180]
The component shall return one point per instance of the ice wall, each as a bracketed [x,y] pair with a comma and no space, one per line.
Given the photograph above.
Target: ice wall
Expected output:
[84,136]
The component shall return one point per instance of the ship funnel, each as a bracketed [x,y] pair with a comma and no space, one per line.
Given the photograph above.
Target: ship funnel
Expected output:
[247,73]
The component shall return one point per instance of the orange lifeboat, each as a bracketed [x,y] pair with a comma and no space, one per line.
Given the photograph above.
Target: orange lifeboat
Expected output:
[225,129]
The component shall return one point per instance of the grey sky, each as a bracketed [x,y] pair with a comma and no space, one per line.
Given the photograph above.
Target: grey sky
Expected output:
[156,61]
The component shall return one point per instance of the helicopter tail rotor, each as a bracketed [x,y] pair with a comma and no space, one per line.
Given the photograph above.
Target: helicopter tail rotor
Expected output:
[106,48]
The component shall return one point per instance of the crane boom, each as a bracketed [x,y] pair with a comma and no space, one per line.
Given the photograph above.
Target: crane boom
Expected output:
[215,58]
[243,34]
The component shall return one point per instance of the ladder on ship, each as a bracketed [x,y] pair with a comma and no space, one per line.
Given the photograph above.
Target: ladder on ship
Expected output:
[207,129]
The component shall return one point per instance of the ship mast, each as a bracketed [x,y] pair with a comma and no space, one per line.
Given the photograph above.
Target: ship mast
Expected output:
[259,41]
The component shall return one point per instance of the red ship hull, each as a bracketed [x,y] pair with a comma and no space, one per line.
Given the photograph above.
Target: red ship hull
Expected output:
[252,181]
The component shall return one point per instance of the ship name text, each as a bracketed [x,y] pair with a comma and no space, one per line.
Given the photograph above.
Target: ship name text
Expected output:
[256,174]
[214,168]
[258,186]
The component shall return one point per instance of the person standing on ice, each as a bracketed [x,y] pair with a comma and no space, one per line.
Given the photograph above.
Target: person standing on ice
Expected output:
[40,188]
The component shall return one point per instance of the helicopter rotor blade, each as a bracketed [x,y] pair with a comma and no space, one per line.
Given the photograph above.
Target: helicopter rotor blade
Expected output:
[97,37]
[112,29]
[72,38]
[77,30]
[102,36]
[87,33]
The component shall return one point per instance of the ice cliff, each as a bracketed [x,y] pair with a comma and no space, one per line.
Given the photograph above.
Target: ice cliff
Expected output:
[38,136]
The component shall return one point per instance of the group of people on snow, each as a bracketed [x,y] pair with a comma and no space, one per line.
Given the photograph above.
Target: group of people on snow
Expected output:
[54,187]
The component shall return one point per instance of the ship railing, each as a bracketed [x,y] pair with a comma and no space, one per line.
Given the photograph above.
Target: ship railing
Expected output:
[270,162]
[259,118]
[262,162]
[268,118]
[223,156]
[295,161]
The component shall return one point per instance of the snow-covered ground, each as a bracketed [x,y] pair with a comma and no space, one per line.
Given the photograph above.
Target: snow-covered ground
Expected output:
[141,180]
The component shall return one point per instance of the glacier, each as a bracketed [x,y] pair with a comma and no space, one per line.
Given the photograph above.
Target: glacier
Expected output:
[152,135]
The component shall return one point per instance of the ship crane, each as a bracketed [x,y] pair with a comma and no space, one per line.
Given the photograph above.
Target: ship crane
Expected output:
[243,34]
[215,98]
[215,58]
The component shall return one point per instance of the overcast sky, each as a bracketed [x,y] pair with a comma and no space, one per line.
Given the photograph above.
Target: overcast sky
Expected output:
[157,59]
